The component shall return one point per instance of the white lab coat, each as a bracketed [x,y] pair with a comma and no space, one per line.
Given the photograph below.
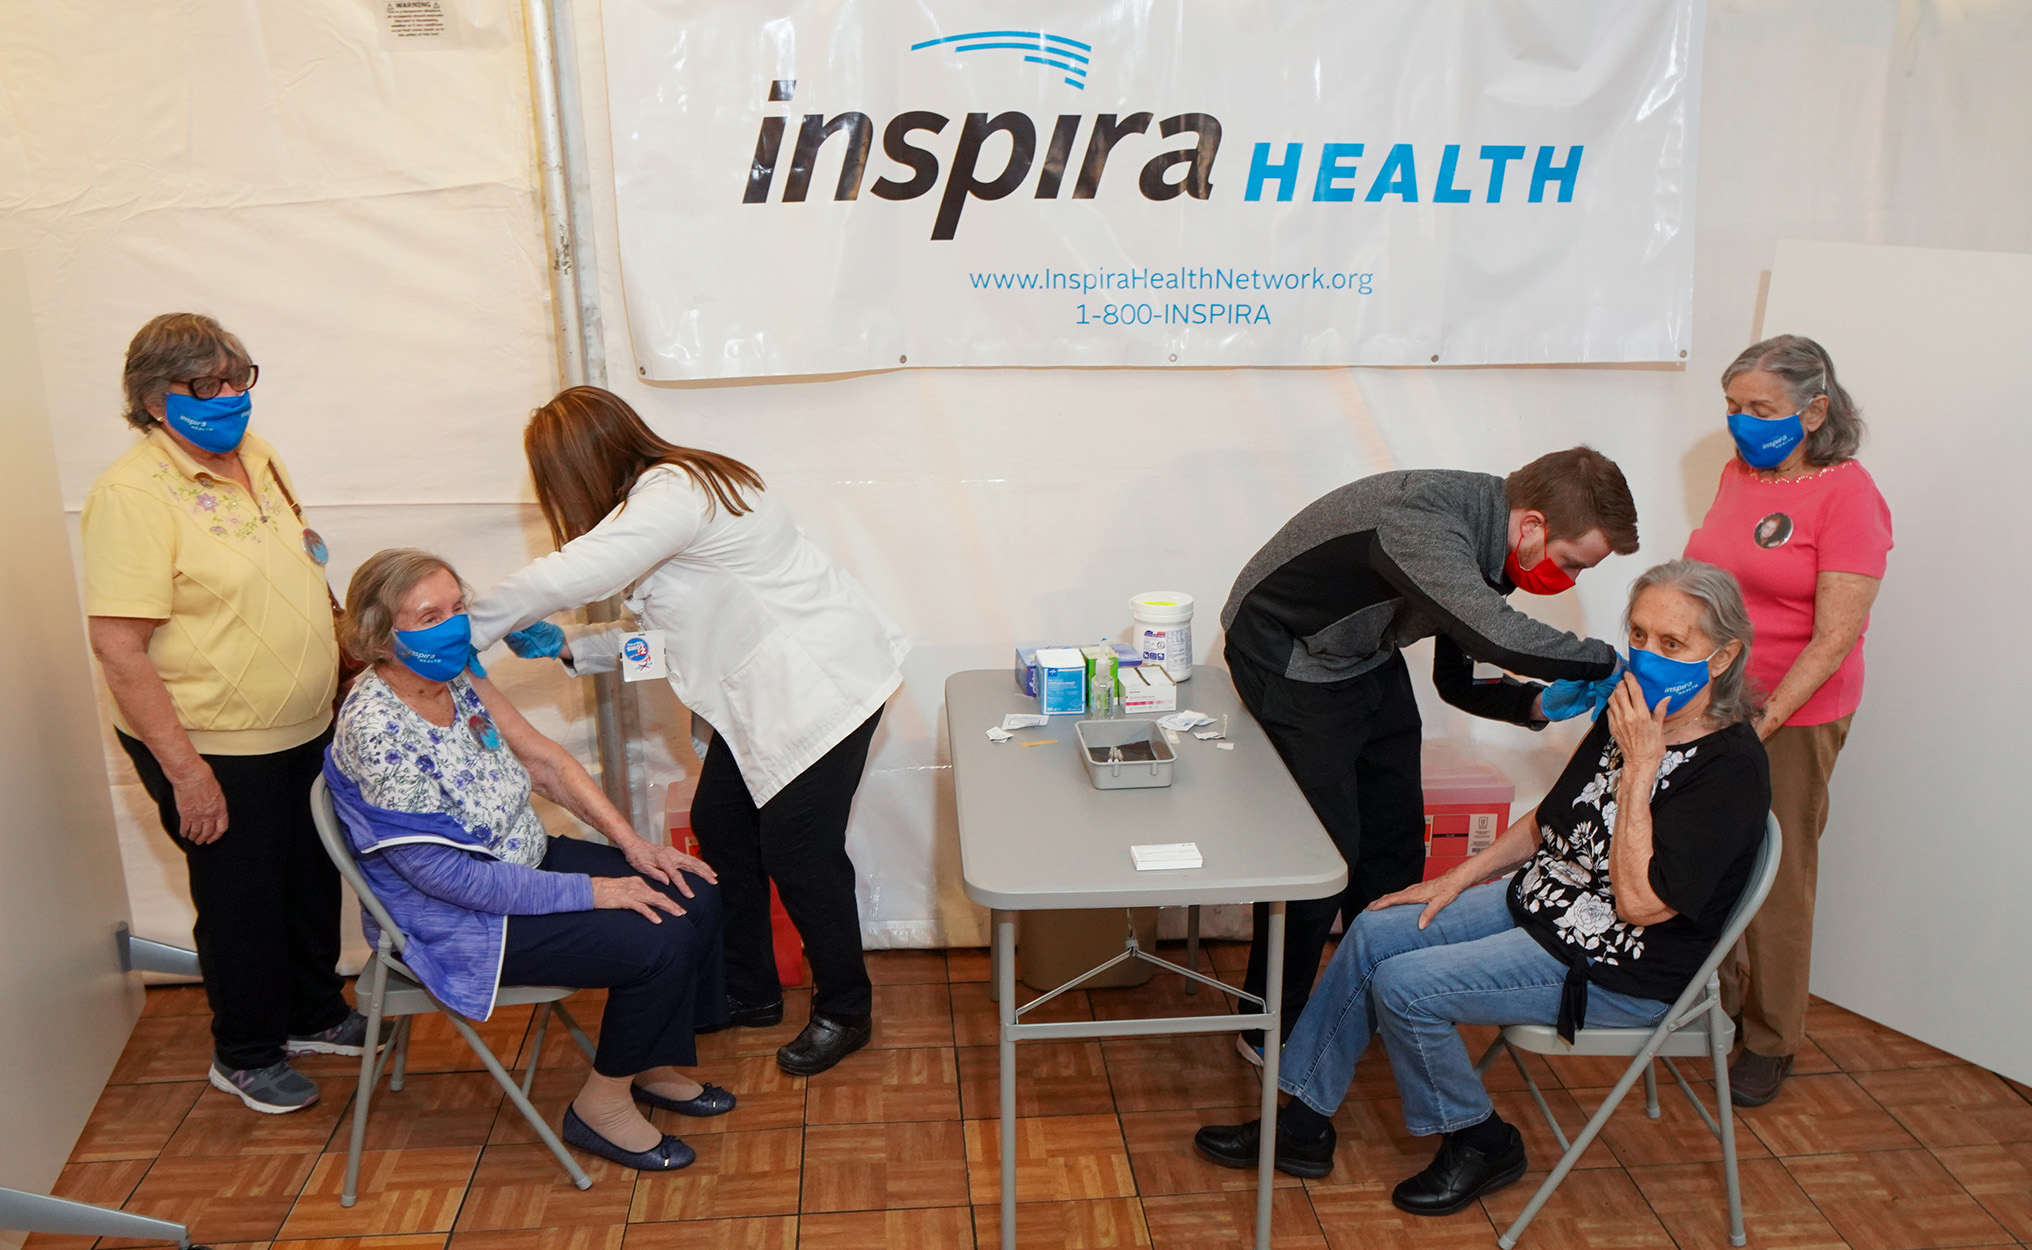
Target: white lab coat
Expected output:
[775,646]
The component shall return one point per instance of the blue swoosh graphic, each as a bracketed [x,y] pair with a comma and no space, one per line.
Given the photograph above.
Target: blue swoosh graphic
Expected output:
[979,34]
[1046,47]
[1045,60]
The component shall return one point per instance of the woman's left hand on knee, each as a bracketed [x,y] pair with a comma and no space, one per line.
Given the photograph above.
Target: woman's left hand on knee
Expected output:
[1434,894]
[667,864]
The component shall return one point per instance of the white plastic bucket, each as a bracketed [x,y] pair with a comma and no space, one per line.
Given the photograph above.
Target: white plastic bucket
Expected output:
[1162,630]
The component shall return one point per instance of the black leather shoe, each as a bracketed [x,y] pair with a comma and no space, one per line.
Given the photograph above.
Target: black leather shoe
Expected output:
[825,1041]
[744,1016]
[1236,1146]
[1458,1175]
[1754,1079]
[758,1016]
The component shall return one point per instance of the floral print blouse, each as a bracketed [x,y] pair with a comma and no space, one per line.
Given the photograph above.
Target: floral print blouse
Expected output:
[404,763]
[1707,818]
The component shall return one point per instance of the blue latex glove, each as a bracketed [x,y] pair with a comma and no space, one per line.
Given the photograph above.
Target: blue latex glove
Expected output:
[473,666]
[1563,700]
[539,641]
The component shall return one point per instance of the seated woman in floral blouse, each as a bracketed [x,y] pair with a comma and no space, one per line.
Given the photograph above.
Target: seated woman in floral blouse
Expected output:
[439,818]
[1632,863]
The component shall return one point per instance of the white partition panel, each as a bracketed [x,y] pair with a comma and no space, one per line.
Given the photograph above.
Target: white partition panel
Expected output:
[1926,858]
[65,1006]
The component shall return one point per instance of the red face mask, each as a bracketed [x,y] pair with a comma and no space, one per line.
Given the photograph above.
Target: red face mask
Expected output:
[1542,578]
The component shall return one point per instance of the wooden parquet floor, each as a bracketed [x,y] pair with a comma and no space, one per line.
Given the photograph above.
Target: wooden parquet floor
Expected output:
[1878,1143]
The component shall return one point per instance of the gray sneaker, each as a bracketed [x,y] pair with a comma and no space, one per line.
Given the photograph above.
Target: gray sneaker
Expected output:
[274,1090]
[347,1037]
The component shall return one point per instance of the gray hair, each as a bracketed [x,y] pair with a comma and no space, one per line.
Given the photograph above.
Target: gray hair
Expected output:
[170,348]
[376,593]
[1723,618]
[1808,373]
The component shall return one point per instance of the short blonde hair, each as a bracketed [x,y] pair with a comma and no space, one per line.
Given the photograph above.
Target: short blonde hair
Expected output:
[376,592]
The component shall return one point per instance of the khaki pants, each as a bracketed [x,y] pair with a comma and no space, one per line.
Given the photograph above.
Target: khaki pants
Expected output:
[1764,979]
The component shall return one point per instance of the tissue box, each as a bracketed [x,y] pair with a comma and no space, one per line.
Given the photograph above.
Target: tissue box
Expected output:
[1147,688]
[1061,681]
[1026,670]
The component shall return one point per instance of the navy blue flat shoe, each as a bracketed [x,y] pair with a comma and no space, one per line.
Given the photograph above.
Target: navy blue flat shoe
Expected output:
[711,1100]
[668,1155]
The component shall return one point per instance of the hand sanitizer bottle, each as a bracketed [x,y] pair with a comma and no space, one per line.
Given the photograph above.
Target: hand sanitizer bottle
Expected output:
[1101,684]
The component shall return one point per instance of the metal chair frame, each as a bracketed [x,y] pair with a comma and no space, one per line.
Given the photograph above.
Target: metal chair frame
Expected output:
[1695,1026]
[392,990]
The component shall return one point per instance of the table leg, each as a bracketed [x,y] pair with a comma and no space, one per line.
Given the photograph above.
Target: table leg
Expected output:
[1005,981]
[1273,995]
[1192,945]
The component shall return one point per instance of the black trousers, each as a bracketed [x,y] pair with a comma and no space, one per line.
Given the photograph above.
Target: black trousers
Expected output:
[662,980]
[1353,747]
[798,839]
[267,899]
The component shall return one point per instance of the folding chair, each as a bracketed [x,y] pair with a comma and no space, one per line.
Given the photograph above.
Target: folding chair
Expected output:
[1695,1026]
[391,990]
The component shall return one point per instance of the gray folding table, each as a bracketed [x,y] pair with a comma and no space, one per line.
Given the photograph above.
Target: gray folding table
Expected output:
[1035,834]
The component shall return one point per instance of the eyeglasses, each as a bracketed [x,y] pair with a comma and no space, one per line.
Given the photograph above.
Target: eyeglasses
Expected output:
[208,388]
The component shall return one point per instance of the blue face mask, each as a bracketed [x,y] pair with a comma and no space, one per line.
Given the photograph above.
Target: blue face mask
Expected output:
[1661,677]
[1765,444]
[217,425]
[439,653]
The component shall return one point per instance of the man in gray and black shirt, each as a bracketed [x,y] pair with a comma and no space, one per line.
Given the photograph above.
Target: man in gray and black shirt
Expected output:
[1318,618]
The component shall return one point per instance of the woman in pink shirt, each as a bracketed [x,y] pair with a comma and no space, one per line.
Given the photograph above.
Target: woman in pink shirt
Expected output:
[1806,532]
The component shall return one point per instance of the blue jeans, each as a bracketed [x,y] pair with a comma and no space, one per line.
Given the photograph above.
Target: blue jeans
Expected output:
[1471,965]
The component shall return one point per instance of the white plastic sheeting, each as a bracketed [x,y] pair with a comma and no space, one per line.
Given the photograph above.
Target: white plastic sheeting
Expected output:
[363,214]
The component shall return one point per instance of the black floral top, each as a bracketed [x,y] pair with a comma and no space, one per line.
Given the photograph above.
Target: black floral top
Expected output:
[1707,820]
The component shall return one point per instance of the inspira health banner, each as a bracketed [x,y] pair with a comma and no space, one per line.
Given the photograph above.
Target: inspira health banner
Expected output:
[831,186]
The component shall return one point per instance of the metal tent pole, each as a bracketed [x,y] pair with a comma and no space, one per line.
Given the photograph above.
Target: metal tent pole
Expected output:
[140,954]
[40,1213]
[581,340]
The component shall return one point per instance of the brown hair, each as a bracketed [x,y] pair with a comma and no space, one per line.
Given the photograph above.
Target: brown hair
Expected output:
[1578,490]
[587,447]
[168,349]
[376,592]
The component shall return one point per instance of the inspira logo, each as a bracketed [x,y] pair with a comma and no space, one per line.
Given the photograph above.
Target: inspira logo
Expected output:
[1176,170]
[1056,52]
[1167,175]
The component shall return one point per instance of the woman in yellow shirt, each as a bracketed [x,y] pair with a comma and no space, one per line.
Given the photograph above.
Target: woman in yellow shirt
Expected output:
[211,619]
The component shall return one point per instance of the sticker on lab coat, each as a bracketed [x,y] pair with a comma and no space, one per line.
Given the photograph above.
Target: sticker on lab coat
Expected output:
[642,656]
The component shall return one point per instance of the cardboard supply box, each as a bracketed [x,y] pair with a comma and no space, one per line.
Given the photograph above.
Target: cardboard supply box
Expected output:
[1147,689]
[1467,803]
[1061,681]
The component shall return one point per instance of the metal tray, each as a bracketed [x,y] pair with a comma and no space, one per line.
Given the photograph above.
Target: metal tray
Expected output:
[1124,754]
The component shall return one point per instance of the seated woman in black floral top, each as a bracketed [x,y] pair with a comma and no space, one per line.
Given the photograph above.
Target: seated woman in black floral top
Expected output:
[1632,863]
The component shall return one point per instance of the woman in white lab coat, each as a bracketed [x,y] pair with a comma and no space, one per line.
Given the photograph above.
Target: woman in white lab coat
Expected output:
[775,646]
